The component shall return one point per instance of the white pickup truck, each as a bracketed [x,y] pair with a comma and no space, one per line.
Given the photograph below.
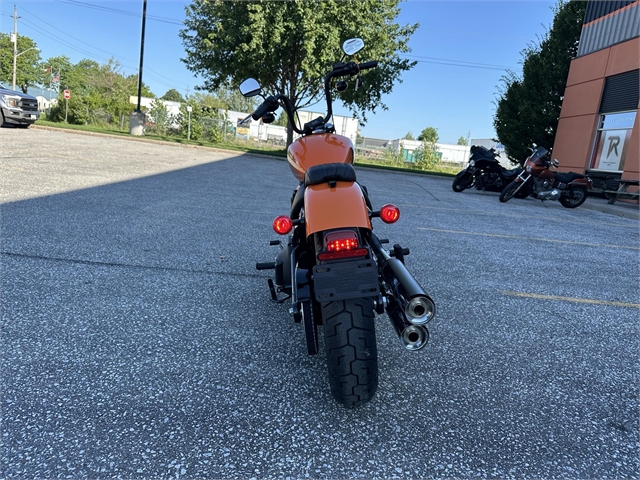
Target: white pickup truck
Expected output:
[17,108]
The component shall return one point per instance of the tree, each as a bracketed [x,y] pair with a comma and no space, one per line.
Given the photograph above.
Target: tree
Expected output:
[427,155]
[173,95]
[429,134]
[462,141]
[288,46]
[408,136]
[160,115]
[99,93]
[233,100]
[528,107]
[28,68]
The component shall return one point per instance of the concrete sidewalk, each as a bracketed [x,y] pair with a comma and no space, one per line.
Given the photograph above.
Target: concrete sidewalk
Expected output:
[620,208]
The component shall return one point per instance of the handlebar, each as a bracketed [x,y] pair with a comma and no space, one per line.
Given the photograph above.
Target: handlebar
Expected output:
[271,103]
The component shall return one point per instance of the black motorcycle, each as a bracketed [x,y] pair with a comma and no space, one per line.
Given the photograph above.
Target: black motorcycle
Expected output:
[484,172]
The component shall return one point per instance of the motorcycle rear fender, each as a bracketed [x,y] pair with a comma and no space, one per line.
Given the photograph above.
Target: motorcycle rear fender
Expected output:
[342,206]
[581,182]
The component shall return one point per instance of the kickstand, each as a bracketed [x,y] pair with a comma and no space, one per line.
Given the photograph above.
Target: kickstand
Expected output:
[274,295]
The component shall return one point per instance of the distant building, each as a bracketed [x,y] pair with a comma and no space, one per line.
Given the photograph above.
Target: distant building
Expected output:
[458,154]
[262,131]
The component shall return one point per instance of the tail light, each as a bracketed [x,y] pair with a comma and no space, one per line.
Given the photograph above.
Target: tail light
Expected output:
[389,213]
[282,225]
[342,244]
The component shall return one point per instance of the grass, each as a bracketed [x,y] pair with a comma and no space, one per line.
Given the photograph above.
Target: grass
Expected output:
[243,146]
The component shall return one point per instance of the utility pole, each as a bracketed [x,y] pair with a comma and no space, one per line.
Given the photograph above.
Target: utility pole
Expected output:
[15,45]
[144,18]
[137,119]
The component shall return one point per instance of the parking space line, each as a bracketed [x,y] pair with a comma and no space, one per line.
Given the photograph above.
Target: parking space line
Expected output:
[516,237]
[569,299]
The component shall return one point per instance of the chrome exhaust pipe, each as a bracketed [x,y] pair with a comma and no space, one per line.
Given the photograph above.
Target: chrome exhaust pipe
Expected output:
[418,307]
[419,310]
[413,337]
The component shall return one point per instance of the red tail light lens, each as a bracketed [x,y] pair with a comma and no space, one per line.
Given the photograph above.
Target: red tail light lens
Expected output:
[339,241]
[389,213]
[282,225]
[343,244]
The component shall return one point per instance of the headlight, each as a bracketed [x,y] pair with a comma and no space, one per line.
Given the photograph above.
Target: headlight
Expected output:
[528,168]
[472,163]
[10,101]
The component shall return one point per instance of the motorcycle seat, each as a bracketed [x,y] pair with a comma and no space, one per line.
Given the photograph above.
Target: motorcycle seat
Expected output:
[567,177]
[328,172]
[339,172]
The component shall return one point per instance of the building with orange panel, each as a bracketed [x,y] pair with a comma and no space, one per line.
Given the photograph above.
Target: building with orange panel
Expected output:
[598,129]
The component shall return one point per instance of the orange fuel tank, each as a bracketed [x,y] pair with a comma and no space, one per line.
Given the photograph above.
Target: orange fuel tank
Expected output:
[317,149]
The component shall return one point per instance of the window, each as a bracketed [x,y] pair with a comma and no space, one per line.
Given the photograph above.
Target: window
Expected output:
[612,141]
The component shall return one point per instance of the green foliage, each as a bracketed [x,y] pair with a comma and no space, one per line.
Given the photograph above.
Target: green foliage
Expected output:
[184,119]
[427,155]
[28,69]
[160,116]
[288,46]
[462,141]
[408,136]
[173,95]
[232,99]
[528,107]
[429,134]
[391,157]
[282,120]
[99,93]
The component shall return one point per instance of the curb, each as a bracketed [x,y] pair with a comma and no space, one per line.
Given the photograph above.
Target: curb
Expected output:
[156,142]
[621,210]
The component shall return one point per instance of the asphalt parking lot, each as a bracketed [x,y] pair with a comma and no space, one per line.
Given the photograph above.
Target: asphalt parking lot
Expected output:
[138,341]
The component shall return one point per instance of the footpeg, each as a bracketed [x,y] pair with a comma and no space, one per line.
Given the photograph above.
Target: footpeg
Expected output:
[266,266]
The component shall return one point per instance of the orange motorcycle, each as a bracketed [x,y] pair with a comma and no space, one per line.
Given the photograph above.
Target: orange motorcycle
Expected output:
[538,181]
[332,267]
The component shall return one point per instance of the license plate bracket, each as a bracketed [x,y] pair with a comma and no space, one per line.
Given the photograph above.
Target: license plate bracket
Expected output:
[344,280]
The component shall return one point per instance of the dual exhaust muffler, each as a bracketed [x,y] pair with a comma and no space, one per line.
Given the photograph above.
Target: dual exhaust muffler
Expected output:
[408,306]
[413,337]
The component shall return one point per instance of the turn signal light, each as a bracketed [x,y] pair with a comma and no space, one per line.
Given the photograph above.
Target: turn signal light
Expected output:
[389,213]
[282,225]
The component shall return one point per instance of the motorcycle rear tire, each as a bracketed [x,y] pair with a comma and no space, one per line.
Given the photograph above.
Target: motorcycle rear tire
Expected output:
[577,198]
[462,181]
[508,192]
[352,353]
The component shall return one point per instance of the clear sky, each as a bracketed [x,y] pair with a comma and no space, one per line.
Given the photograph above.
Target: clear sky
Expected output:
[463,48]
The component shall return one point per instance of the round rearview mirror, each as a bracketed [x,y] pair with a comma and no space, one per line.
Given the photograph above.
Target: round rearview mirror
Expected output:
[250,88]
[352,46]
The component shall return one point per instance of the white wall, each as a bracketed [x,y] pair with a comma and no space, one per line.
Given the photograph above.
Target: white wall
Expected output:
[450,153]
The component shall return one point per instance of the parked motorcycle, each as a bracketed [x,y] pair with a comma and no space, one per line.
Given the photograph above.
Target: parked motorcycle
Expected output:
[484,172]
[538,181]
[332,267]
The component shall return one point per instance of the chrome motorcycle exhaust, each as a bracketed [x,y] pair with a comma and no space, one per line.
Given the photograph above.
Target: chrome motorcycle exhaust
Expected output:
[413,337]
[418,307]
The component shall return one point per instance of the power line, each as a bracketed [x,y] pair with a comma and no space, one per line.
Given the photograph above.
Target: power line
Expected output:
[155,76]
[458,63]
[120,11]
